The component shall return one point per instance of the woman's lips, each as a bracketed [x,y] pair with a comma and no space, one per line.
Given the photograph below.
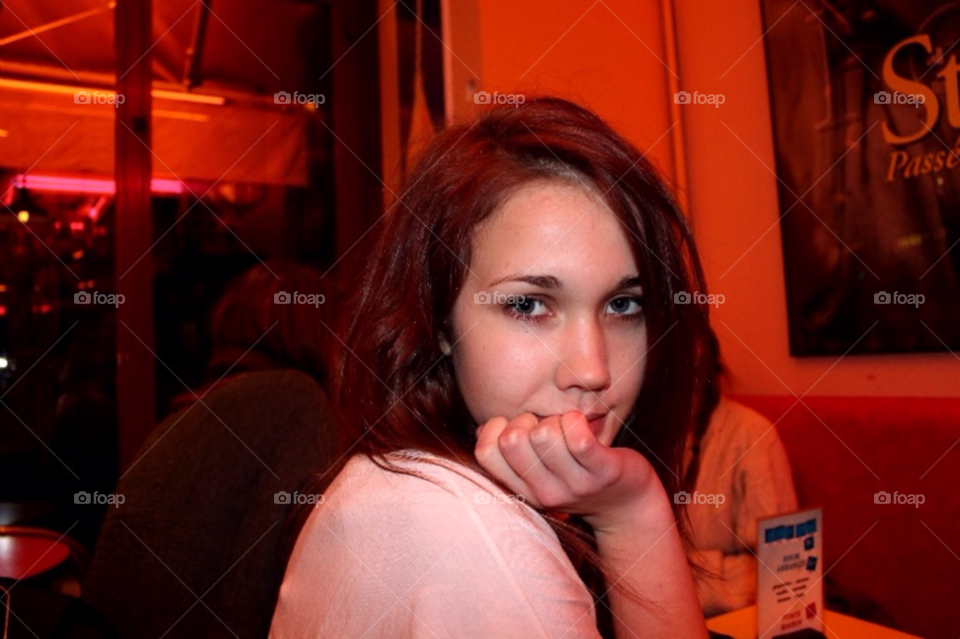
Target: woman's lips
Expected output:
[596,425]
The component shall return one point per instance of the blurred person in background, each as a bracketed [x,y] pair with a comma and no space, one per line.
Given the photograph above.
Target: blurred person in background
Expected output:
[274,315]
[735,452]
[84,436]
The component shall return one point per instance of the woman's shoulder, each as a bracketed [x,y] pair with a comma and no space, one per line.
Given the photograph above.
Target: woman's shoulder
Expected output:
[423,490]
[409,471]
[734,422]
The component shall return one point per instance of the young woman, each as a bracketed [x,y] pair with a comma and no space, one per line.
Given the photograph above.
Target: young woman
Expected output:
[517,383]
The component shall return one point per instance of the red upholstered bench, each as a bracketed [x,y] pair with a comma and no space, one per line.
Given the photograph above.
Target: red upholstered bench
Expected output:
[844,450]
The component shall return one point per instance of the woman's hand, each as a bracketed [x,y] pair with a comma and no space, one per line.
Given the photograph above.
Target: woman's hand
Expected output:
[558,464]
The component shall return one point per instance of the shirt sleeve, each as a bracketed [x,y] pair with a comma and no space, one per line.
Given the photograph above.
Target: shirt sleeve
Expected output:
[765,479]
[403,557]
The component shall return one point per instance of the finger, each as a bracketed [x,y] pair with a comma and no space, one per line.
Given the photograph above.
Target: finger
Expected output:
[548,490]
[595,458]
[490,457]
[515,445]
[550,445]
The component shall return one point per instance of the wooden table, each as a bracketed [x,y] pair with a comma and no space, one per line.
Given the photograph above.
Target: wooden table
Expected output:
[742,624]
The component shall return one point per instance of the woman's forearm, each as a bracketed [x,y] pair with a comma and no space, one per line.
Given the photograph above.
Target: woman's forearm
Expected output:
[644,552]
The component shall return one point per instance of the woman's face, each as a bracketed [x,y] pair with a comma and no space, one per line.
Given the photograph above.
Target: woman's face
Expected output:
[577,339]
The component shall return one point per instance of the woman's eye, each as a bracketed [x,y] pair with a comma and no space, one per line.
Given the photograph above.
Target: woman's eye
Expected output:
[531,308]
[525,307]
[627,306]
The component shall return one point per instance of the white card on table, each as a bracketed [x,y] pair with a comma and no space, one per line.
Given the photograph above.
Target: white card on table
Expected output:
[790,566]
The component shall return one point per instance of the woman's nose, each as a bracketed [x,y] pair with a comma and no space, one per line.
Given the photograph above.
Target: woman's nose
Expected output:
[584,357]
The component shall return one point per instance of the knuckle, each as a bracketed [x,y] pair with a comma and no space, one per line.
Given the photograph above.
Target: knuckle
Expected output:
[510,437]
[485,455]
[543,434]
[581,444]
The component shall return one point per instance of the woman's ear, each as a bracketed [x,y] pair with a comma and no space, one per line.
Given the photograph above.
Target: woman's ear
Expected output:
[445,345]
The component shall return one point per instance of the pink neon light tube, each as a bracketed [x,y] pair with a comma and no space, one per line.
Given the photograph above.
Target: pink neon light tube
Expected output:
[87,185]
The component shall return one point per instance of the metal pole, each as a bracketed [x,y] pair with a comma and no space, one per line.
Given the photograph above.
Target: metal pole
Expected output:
[133,237]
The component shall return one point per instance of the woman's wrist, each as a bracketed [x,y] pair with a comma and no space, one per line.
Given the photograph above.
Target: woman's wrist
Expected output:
[642,550]
[648,513]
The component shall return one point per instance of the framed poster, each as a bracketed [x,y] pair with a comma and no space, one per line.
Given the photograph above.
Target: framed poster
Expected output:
[865,103]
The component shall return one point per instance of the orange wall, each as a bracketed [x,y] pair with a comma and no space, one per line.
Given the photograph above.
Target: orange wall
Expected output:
[585,54]
[609,59]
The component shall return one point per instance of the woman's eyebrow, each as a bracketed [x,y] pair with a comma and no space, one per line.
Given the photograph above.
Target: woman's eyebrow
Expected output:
[541,281]
[630,281]
[551,282]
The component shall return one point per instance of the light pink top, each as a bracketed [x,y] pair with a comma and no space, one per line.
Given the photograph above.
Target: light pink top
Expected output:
[390,555]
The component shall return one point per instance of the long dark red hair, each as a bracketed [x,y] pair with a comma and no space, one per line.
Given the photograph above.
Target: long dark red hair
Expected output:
[391,381]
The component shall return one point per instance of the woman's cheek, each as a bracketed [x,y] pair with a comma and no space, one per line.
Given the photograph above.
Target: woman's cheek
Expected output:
[627,385]
[497,378]
[479,377]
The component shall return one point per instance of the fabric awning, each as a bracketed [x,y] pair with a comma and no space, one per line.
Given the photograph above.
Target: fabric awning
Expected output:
[49,51]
